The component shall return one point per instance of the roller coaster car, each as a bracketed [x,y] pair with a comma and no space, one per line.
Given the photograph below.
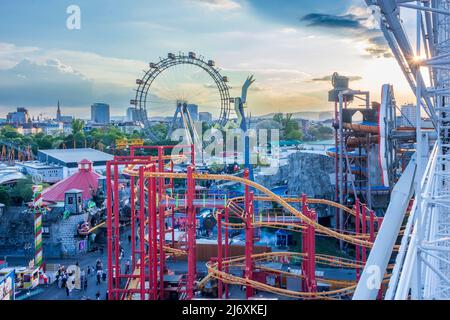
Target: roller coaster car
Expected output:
[152,65]
[211,63]
[192,55]
[171,56]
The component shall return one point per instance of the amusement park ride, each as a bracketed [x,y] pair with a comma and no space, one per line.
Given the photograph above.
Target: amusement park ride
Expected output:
[382,180]
[154,204]
[153,209]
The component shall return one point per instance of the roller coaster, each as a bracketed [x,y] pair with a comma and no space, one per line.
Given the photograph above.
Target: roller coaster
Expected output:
[154,202]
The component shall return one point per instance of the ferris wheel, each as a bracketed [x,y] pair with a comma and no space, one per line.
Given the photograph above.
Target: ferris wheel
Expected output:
[177,89]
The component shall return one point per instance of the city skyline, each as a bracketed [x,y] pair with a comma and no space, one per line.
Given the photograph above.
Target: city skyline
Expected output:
[287,49]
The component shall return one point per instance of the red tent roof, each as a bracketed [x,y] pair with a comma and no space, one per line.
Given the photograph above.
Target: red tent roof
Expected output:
[85,179]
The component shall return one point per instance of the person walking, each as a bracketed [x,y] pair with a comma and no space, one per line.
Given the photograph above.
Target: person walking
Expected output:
[127,266]
[85,284]
[67,289]
[99,276]
[97,295]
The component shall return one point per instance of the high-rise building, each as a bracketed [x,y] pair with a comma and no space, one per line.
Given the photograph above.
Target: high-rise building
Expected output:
[100,113]
[205,116]
[193,111]
[21,116]
[408,115]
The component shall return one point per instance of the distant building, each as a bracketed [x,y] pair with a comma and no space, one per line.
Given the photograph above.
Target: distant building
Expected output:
[128,127]
[134,114]
[205,116]
[58,113]
[52,128]
[92,125]
[28,128]
[49,173]
[21,116]
[193,111]
[408,115]
[69,158]
[66,119]
[100,113]
[67,128]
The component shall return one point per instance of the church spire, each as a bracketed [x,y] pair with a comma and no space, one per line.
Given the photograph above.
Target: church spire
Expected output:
[58,113]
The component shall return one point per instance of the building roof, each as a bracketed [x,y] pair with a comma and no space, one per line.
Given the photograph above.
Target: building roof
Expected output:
[75,155]
[9,176]
[85,180]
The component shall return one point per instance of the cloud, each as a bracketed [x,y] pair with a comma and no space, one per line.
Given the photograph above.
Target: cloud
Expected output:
[349,21]
[29,83]
[219,4]
[358,24]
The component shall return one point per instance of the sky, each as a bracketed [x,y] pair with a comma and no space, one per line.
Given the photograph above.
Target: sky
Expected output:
[292,48]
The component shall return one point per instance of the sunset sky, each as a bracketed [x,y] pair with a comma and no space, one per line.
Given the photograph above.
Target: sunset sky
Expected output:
[292,47]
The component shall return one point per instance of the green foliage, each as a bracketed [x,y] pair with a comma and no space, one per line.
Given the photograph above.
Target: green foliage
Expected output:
[320,132]
[22,192]
[77,126]
[290,128]
[9,132]
[4,196]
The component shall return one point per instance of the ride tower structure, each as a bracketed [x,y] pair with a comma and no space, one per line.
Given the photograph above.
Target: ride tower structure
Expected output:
[422,265]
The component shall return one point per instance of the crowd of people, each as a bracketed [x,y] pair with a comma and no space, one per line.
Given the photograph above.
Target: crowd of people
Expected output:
[66,280]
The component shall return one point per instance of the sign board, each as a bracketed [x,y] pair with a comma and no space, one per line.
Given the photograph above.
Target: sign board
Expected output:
[7,286]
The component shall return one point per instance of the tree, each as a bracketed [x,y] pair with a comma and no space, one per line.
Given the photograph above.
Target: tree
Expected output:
[4,196]
[9,132]
[77,126]
[23,191]
[290,128]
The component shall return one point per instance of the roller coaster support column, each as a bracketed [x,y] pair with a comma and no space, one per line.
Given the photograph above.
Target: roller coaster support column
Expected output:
[372,226]
[357,209]
[309,249]
[226,251]
[249,265]
[364,232]
[133,222]
[162,225]
[153,235]
[116,214]
[312,254]
[305,244]
[219,252]
[193,154]
[109,229]
[191,237]
[142,254]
